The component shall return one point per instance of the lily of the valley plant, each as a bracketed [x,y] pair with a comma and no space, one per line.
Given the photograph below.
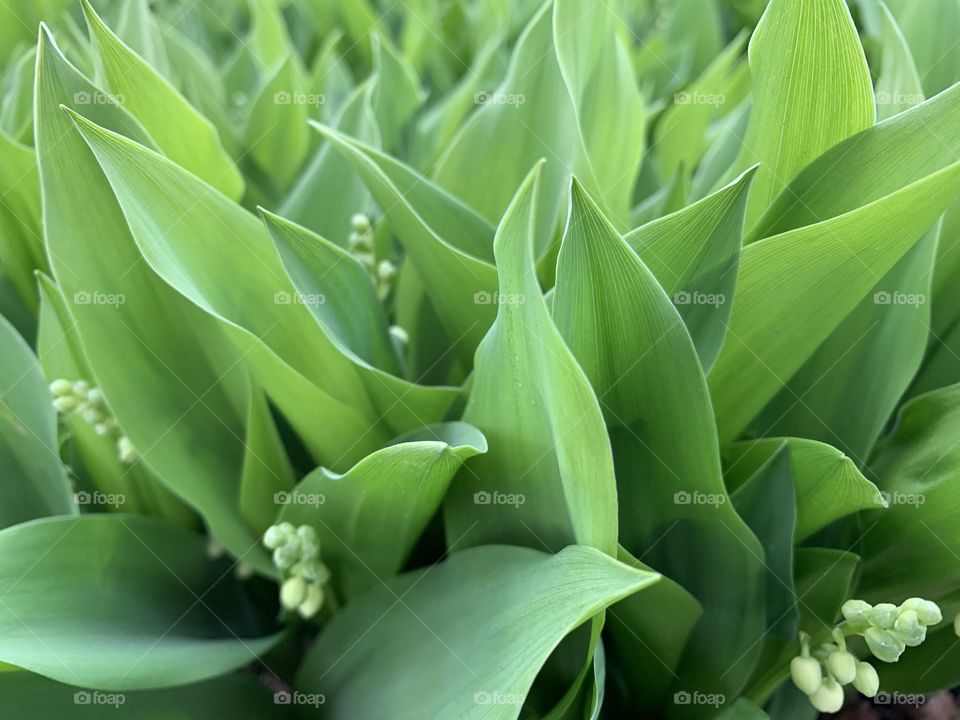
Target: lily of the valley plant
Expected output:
[447,359]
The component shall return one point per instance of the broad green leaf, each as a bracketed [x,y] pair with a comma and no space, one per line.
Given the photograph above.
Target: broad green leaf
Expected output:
[858,171]
[136,489]
[795,288]
[665,443]
[179,130]
[827,484]
[911,547]
[447,242]
[352,317]
[237,696]
[266,467]
[174,382]
[742,709]
[21,234]
[811,89]
[548,480]
[276,133]
[395,490]
[694,254]
[268,39]
[396,92]
[139,30]
[931,30]
[36,483]
[468,636]
[767,503]
[137,590]
[166,209]
[899,86]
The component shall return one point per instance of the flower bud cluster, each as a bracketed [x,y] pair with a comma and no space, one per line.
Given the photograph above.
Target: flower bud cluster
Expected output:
[80,398]
[887,629]
[360,246]
[296,552]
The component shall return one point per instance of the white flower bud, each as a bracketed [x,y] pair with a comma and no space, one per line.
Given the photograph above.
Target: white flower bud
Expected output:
[399,334]
[312,602]
[806,674]
[828,697]
[274,537]
[843,666]
[128,453]
[929,613]
[66,403]
[909,628]
[282,558]
[81,387]
[360,224]
[884,644]
[855,611]
[883,615]
[61,387]
[293,592]
[867,681]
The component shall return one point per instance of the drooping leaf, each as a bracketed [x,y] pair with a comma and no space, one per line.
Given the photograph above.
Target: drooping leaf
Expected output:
[139,591]
[899,86]
[435,654]
[395,490]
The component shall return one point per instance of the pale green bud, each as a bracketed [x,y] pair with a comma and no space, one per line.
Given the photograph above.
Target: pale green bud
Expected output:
[956,625]
[360,223]
[929,613]
[883,615]
[66,404]
[293,592]
[127,452]
[93,416]
[828,697]
[806,674]
[884,644]
[909,628]
[399,334]
[95,396]
[61,387]
[855,611]
[283,558]
[312,602]
[274,537]
[81,387]
[843,666]
[867,681]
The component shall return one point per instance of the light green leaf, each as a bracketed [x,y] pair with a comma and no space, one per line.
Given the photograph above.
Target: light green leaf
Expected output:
[36,483]
[468,638]
[694,254]
[395,490]
[396,93]
[178,129]
[128,586]
[548,480]
[898,85]
[931,28]
[827,483]
[811,89]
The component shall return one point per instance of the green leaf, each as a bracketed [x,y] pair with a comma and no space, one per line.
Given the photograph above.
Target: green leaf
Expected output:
[795,288]
[134,589]
[396,93]
[931,29]
[911,547]
[898,84]
[395,490]
[549,478]
[308,378]
[173,381]
[811,89]
[664,440]
[178,129]
[266,468]
[933,666]
[827,483]
[694,254]
[240,697]
[37,483]
[468,637]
